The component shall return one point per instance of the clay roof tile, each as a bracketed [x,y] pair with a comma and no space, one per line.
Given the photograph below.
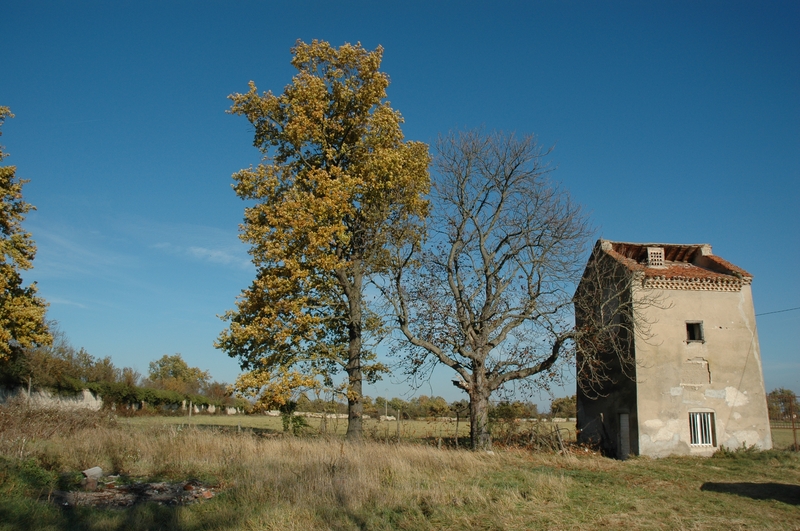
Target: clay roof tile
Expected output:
[690,262]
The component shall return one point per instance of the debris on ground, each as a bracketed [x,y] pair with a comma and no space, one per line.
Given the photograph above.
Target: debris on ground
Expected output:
[109,493]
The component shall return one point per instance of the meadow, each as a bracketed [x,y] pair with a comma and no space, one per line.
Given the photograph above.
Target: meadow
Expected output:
[407,430]
[265,480]
[783,438]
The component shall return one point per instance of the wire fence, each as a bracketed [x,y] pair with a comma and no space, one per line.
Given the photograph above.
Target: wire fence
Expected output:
[783,411]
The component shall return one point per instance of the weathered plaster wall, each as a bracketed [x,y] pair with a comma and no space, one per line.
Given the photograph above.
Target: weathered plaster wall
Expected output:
[721,374]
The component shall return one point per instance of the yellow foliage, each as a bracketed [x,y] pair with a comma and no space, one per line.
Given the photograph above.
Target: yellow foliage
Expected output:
[22,313]
[337,186]
[273,389]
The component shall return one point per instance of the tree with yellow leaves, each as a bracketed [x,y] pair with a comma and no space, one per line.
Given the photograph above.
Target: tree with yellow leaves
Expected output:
[22,313]
[174,374]
[336,189]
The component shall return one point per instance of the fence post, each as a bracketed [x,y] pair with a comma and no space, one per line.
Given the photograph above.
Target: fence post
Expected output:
[794,426]
[458,417]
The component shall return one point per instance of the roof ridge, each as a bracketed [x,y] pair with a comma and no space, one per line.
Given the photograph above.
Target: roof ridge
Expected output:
[685,266]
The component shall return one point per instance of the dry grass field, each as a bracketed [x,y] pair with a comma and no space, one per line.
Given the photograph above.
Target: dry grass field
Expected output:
[783,438]
[267,481]
[407,430]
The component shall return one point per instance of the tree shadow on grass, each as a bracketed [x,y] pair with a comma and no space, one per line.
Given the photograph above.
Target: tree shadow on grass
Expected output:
[781,492]
[34,515]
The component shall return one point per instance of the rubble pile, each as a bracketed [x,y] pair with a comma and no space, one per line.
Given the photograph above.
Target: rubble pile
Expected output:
[109,492]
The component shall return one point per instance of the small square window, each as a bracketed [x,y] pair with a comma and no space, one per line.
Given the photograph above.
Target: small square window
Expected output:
[694,331]
[702,430]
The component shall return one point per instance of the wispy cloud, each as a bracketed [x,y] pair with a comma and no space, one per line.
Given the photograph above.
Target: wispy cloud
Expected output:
[126,270]
[65,302]
[219,256]
[781,365]
[67,251]
[123,243]
[194,242]
[226,256]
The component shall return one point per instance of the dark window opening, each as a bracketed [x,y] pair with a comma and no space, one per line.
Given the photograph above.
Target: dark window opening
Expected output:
[694,331]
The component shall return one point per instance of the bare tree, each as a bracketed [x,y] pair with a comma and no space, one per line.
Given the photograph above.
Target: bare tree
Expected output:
[611,309]
[490,294]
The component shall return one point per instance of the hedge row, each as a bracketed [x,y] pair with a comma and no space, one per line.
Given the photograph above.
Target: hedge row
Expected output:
[123,394]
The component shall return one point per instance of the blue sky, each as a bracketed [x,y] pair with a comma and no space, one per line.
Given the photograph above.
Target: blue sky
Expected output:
[672,122]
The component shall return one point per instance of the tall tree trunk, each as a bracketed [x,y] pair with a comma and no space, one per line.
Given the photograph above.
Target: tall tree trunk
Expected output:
[355,406]
[479,410]
[479,422]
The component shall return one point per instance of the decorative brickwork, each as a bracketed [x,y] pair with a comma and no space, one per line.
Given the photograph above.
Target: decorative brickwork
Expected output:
[698,284]
[678,267]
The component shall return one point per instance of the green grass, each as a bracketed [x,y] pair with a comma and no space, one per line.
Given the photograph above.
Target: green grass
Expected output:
[409,430]
[309,483]
[784,438]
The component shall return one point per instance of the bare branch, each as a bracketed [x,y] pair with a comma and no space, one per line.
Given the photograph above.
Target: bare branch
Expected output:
[492,286]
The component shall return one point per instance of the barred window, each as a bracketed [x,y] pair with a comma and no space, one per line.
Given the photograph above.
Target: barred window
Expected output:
[701,429]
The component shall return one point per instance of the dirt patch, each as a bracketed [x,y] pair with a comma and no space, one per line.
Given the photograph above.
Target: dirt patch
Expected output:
[109,494]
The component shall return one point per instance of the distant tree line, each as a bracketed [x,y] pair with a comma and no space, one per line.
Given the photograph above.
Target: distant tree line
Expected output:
[565,407]
[782,405]
[61,368]
[423,406]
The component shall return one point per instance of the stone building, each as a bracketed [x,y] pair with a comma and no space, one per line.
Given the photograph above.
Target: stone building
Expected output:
[669,361]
